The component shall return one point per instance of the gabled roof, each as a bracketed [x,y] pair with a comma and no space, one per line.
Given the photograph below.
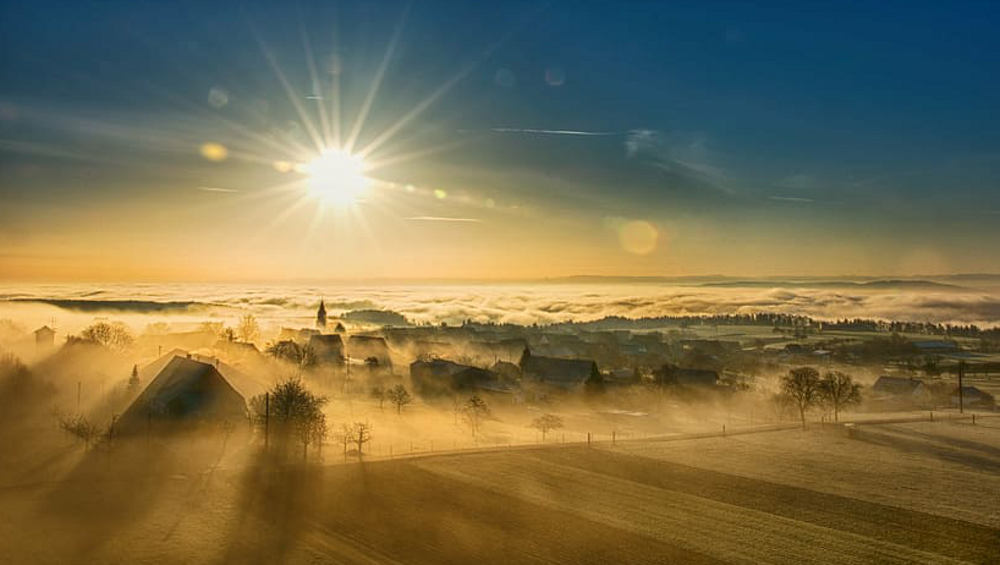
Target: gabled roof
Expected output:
[557,370]
[696,377]
[184,390]
[897,385]
[973,392]
[326,340]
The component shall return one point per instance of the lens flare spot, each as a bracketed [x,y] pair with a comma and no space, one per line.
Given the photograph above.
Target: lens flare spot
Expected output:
[555,76]
[217,97]
[638,237]
[282,166]
[440,194]
[214,151]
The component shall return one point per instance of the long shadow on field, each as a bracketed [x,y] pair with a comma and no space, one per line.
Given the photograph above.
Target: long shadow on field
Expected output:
[944,536]
[394,511]
[923,447]
[105,492]
[988,450]
[277,498]
[116,487]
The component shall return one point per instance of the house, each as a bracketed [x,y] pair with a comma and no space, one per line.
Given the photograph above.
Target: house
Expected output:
[973,397]
[507,371]
[184,392]
[898,386]
[906,389]
[301,335]
[434,376]
[364,347]
[45,338]
[328,348]
[671,375]
[559,372]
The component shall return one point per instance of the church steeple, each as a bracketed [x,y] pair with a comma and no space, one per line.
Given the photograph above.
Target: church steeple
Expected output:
[321,315]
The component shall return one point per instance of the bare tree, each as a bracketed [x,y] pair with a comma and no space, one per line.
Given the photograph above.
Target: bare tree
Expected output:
[81,428]
[248,329]
[839,390]
[114,336]
[546,422]
[358,433]
[475,411]
[301,355]
[399,396]
[802,385]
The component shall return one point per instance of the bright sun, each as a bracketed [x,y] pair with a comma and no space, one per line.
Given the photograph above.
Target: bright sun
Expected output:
[336,177]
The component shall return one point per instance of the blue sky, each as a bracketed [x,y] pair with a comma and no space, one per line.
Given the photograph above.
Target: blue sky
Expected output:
[735,129]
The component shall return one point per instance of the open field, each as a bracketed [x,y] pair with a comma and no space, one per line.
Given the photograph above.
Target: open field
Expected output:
[916,492]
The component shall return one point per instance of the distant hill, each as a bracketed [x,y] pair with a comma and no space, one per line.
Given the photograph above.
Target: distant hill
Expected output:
[887,284]
[379,317]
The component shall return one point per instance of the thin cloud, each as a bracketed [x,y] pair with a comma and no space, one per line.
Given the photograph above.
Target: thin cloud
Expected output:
[216,189]
[443,219]
[790,199]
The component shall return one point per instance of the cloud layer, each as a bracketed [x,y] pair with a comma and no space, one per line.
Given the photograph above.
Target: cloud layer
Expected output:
[516,303]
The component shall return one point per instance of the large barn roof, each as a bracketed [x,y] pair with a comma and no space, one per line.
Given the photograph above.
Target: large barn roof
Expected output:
[185,389]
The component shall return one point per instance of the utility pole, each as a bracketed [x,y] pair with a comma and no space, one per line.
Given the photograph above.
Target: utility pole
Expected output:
[961,393]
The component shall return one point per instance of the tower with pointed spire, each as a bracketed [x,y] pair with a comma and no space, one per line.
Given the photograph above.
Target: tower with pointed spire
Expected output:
[321,316]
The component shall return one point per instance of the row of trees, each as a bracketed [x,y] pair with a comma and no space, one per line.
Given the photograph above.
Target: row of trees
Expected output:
[806,388]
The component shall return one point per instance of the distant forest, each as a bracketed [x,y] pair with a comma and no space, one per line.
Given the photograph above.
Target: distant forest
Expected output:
[774,320]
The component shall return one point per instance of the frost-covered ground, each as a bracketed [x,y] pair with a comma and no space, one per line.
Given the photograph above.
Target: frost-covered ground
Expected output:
[898,493]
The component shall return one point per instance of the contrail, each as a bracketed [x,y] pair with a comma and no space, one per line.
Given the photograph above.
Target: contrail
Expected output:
[443,219]
[790,199]
[552,132]
[216,189]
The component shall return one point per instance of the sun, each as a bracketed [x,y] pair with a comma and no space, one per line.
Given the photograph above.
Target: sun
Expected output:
[337,177]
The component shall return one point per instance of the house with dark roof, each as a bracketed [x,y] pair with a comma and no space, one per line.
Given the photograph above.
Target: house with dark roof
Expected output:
[438,376]
[973,397]
[328,348]
[898,386]
[45,338]
[670,375]
[363,347]
[184,392]
[902,389]
[567,374]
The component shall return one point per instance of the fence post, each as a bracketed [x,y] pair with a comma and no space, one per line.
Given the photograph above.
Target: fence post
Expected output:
[588,439]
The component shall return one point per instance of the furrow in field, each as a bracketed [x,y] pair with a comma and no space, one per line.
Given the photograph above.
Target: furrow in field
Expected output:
[726,531]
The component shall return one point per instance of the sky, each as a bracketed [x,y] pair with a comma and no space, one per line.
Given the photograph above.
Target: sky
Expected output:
[272,141]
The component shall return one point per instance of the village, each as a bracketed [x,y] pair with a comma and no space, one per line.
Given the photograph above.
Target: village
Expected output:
[214,372]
